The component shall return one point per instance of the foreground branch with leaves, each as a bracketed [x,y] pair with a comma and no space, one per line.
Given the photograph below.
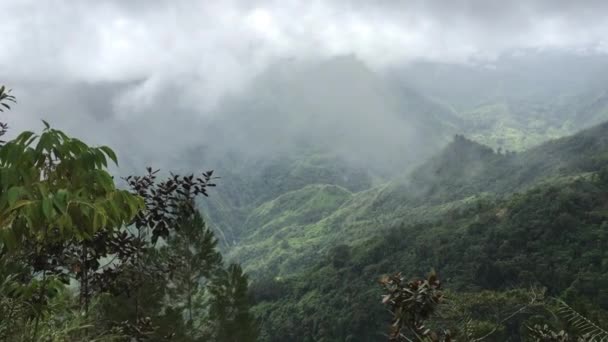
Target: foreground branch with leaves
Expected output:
[412,304]
[83,260]
[417,306]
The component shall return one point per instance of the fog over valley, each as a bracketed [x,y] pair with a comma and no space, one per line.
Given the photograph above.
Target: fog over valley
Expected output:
[179,66]
[416,170]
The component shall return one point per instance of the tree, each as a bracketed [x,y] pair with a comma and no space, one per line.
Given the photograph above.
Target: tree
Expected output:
[56,188]
[412,304]
[5,99]
[229,308]
[141,271]
[142,258]
[55,192]
[194,259]
[57,196]
[61,215]
[340,255]
[416,304]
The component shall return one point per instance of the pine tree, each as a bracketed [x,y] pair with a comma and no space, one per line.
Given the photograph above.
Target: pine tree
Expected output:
[193,258]
[230,305]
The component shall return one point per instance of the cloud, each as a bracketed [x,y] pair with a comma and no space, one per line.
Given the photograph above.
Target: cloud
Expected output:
[221,42]
[152,67]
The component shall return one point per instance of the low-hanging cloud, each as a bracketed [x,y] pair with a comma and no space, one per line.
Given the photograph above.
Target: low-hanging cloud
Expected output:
[154,67]
[217,44]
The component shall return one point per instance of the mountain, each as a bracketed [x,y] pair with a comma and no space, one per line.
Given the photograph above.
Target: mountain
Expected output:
[518,100]
[339,122]
[334,122]
[339,106]
[246,185]
[333,174]
[552,236]
[465,167]
[482,219]
[464,171]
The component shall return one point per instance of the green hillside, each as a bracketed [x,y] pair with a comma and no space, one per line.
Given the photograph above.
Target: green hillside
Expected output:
[488,244]
[515,103]
[464,172]
[304,171]
[245,187]
[484,220]
[316,215]
[287,131]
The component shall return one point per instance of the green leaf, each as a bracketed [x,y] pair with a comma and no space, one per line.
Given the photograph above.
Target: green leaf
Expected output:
[96,224]
[21,203]
[100,158]
[15,193]
[43,189]
[110,153]
[8,238]
[113,209]
[104,180]
[43,144]
[47,207]
[46,124]
[24,137]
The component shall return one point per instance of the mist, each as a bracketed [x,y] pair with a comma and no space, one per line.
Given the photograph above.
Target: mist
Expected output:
[350,141]
[380,86]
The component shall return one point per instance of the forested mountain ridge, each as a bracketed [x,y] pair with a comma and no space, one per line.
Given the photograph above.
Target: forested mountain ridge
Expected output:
[466,168]
[246,187]
[323,189]
[307,171]
[462,172]
[340,122]
[331,122]
[463,212]
[516,101]
[550,236]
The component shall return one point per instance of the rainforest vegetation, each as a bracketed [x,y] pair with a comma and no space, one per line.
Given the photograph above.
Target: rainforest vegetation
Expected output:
[83,260]
[309,171]
[517,239]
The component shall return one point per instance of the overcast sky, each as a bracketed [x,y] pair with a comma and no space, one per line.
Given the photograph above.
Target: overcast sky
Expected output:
[192,52]
[218,43]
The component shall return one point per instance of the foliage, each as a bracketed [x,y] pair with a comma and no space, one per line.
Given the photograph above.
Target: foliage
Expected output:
[230,307]
[63,321]
[55,188]
[415,303]
[545,334]
[55,194]
[63,222]
[166,203]
[492,224]
[5,98]
[194,260]
[411,304]
[588,330]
